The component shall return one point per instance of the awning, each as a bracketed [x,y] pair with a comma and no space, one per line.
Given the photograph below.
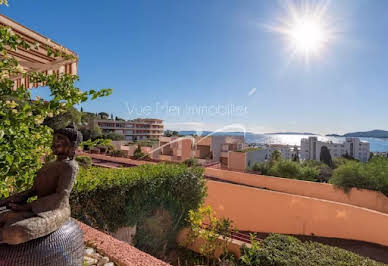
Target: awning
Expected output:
[37,60]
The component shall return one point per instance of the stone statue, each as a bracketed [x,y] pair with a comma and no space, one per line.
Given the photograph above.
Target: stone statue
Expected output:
[22,221]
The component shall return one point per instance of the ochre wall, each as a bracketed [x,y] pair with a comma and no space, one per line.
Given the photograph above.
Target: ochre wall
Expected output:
[359,197]
[260,210]
[236,160]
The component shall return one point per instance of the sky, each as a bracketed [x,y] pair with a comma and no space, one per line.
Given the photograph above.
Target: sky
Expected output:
[210,65]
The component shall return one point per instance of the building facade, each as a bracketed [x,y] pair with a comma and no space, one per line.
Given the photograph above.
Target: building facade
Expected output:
[310,149]
[137,129]
[206,149]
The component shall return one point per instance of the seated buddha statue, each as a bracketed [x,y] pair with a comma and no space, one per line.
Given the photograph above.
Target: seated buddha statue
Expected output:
[21,220]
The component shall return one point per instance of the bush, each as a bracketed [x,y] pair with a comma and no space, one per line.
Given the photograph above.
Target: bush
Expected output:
[192,162]
[139,154]
[146,196]
[372,175]
[84,161]
[286,250]
[294,170]
[117,153]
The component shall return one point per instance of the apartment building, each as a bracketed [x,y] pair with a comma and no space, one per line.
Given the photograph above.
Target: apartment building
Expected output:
[310,149]
[221,145]
[205,149]
[136,129]
[246,158]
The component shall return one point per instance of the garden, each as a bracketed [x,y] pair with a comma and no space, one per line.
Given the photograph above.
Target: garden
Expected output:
[343,172]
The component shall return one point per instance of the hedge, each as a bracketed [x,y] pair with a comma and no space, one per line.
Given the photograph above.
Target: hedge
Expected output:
[156,198]
[287,250]
[372,175]
[84,161]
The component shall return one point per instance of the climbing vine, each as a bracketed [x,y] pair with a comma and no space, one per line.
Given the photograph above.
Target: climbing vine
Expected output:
[24,140]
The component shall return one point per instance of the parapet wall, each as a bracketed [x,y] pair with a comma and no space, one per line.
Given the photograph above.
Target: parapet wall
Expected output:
[358,197]
[260,210]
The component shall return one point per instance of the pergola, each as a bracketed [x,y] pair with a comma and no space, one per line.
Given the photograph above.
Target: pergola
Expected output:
[37,60]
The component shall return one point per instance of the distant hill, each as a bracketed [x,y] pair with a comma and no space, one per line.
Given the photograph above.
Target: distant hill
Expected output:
[377,133]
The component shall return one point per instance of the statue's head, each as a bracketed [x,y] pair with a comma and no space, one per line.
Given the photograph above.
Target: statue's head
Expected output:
[65,141]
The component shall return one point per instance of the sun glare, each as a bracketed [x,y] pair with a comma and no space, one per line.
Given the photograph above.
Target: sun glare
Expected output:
[306,29]
[308,36]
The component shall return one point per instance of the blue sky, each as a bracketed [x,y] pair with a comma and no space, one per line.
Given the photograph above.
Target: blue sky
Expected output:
[195,63]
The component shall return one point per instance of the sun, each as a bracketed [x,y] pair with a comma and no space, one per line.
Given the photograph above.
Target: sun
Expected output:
[307,35]
[306,29]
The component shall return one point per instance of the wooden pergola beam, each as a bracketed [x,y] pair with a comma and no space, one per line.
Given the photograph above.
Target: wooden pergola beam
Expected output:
[37,59]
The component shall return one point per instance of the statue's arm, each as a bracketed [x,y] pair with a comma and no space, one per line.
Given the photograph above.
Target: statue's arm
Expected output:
[21,197]
[60,198]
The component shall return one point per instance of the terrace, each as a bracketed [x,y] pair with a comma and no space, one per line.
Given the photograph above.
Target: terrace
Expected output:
[151,201]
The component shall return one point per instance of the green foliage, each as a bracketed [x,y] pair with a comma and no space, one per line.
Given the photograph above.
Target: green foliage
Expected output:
[170,133]
[91,133]
[286,250]
[276,156]
[191,162]
[287,169]
[325,157]
[89,144]
[113,136]
[138,154]
[372,175]
[108,199]
[251,149]
[212,232]
[291,169]
[148,142]
[84,161]
[69,116]
[24,140]
[103,115]
[117,153]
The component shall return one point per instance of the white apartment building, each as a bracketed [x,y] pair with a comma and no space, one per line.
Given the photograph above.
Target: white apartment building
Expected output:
[136,129]
[287,151]
[310,149]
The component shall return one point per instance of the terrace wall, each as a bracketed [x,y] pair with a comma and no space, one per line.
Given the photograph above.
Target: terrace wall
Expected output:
[358,197]
[260,210]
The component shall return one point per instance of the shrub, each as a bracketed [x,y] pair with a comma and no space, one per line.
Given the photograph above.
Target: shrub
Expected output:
[146,196]
[192,162]
[84,161]
[286,250]
[294,170]
[139,154]
[117,153]
[372,175]
[211,233]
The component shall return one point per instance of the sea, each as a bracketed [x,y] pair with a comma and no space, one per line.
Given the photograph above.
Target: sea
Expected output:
[376,144]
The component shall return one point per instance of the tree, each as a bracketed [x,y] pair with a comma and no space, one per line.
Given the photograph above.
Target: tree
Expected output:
[82,110]
[325,157]
[139,154]
[103,115]
[171,133]
[276,156]
[24,139]
[111,116]
[90,132]
[69,116]
[295,157]
[113,136]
